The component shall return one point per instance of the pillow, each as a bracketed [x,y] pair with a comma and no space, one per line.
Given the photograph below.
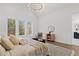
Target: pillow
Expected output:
[13,39]
[2,51]
[7,53]
[0,39]
[6,43]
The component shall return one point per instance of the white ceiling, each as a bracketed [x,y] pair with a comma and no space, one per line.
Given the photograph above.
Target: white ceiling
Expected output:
[48,7]
[53,7]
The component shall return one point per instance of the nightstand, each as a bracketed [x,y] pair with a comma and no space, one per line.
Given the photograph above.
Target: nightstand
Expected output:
[51,37]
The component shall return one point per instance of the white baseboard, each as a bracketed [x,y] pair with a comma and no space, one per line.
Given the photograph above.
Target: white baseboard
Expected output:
[68,43]
[64,42]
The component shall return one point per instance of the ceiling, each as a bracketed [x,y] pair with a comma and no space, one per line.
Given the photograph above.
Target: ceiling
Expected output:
[48,7]
[55,7]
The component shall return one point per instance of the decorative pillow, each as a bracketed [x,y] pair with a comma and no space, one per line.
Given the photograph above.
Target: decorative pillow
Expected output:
[13,39]
[0,39]
[2,51]
[6,43]
[7,53]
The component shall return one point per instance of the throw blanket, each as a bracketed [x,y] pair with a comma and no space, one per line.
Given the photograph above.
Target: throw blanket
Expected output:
[40,48]
[30,48]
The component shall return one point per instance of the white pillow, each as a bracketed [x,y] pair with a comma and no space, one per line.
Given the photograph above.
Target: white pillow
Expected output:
[6,43]
[2,51]
[7,53]
[0,39]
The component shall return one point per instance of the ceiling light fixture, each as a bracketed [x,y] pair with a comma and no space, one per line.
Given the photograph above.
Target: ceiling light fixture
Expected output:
[36,6]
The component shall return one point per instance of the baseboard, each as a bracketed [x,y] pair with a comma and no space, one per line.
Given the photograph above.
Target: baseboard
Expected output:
[64,42]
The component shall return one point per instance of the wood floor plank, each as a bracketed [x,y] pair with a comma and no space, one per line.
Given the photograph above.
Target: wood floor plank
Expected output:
[72,47]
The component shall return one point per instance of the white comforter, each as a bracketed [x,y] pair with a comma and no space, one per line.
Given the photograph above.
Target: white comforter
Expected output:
[32,48]
[40,48]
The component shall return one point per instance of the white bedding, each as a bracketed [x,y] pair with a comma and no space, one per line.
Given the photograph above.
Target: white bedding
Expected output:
[40,48]
[32,48]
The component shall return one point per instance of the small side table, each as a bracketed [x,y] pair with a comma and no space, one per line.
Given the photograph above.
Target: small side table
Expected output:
[51,37]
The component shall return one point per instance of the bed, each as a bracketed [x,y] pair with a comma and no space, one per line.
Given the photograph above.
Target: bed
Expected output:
[31,48]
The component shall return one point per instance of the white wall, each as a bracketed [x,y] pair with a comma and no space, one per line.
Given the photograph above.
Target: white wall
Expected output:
[62,16]
[62,22]
[59,15]
[17,12]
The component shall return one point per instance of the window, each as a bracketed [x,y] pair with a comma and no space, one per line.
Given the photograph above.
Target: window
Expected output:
[21,28]
[29,28]
[11,26]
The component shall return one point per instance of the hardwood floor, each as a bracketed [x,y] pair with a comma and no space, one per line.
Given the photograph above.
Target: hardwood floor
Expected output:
[72,47]
[62,45]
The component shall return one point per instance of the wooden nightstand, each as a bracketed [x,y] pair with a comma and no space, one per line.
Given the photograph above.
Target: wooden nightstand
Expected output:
[51,37]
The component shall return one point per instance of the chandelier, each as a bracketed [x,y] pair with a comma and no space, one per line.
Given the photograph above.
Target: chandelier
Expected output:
[36,6]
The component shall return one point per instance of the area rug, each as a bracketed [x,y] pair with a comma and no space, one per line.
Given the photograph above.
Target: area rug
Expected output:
[54,50]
